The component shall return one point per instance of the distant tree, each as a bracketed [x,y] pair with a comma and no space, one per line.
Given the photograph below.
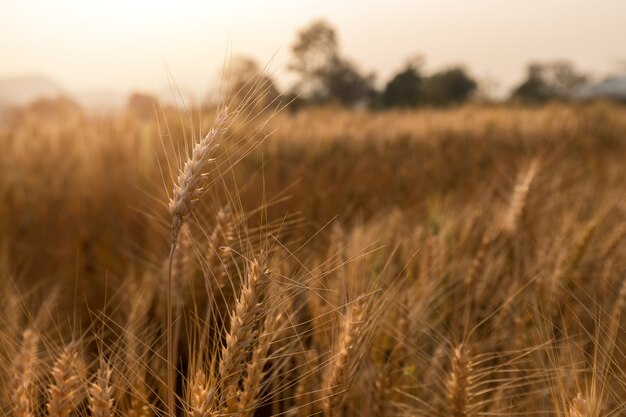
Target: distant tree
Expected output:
[325,75]
[548,81]
[50,107]
[563,78]
[250,85]
[534,89]
[450,86]
[405,88]
[345,84]
[142,105]
[314,52]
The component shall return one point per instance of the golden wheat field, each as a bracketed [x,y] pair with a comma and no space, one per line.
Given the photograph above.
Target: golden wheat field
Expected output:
[468,261]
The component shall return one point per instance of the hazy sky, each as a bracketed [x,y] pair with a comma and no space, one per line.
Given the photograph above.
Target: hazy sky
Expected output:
[123,44]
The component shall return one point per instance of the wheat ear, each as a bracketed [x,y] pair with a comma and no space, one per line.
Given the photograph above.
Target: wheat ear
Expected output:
[201,396]
[190,185]
[459,384]
[519,199]
[617,309]
[241,336]
[101,392]
[24,368]
[66,390]
[256,379]
[579,407]
[581,244]
[186,193]
[349,352]
[215,269]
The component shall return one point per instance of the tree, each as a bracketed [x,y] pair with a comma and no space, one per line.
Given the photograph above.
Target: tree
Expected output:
[315,51]
[250,85]
[325,75]
[142,105]
[345,84]
[548,81]
[405,88]
[534,89]
[450,86]
[563,78]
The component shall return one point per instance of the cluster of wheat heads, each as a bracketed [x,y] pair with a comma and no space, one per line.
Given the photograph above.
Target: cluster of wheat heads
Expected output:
[509,303]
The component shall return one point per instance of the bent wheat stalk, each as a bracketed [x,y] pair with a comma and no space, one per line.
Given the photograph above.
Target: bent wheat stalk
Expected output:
[186,192]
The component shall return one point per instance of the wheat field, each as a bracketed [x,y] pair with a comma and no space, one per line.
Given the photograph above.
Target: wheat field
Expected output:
[202,262]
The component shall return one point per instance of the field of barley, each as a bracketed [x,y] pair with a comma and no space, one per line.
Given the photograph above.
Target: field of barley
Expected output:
[458,262]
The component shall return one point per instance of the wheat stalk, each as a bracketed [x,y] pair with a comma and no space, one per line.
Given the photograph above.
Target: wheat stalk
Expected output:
[139,403]
[186,193]
[215,279]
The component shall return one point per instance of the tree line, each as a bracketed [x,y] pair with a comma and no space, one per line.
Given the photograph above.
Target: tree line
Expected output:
[325,75]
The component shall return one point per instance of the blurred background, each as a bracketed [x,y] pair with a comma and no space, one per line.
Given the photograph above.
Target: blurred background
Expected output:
[358,53]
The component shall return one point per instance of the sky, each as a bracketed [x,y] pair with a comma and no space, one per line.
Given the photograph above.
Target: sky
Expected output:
[122,45]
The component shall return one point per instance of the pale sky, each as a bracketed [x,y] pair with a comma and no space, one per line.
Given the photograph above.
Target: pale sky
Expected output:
[131,44]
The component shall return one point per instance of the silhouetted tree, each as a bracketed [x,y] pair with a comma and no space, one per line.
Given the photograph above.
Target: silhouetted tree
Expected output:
[548,81]
[324,74]
[314,52]
[405,88]
[345,84]
[450,86]
[534,89]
